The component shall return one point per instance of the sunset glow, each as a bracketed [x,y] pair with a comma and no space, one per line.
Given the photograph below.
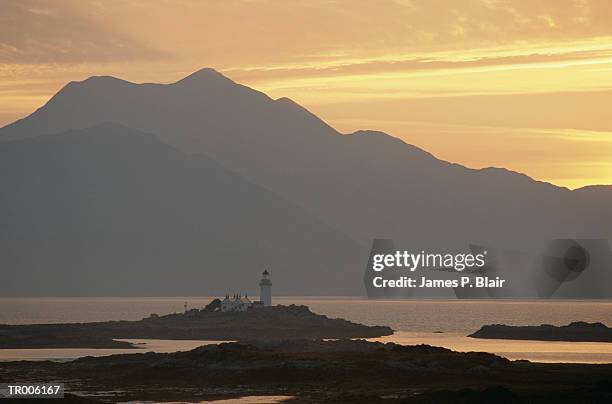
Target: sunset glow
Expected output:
[525,85]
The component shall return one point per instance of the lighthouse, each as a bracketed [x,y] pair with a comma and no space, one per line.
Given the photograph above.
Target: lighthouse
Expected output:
[265,287]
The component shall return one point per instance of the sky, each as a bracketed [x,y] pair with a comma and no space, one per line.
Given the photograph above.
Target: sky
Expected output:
[523,84]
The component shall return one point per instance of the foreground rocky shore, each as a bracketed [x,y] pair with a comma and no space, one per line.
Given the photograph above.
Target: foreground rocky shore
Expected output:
[265,323]
[312,371]
[574,332]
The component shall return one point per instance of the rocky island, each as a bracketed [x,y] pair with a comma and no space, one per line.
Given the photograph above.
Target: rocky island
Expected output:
[264,323]
[577,332]
[315,371]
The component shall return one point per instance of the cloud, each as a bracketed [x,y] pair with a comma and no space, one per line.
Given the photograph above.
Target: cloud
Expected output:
[237,33]
[53,32]
[494,58]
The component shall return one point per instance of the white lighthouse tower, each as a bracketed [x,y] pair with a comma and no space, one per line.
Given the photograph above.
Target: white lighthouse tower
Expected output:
[265,287]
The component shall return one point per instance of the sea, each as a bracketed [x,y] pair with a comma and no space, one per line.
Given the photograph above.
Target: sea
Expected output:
[445,323]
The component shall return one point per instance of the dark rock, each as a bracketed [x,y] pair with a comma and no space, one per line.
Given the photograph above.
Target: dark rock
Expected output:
[265,323]
[579,331]
[317,371]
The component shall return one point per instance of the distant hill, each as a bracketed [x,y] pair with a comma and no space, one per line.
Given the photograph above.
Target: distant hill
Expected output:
[111,210]
[298,183]
[367,184]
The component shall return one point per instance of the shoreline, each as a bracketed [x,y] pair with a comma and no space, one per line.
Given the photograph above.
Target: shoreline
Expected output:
[273,322]
[404,316]
[534,351]
[322,371]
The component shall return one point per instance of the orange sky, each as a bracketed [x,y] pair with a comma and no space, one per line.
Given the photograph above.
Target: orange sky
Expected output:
[525,85]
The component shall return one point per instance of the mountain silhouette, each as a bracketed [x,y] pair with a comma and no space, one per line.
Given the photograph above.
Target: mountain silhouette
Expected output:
[109,210]
[366,185]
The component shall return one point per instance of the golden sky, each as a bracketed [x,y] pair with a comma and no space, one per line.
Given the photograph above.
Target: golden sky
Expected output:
[524,84]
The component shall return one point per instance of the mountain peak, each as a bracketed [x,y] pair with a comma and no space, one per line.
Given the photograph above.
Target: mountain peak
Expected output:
[205,75]
[104,79]
[97,81]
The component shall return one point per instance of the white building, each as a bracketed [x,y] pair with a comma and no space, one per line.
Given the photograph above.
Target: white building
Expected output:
[243,303]
[265,289]
[236,303]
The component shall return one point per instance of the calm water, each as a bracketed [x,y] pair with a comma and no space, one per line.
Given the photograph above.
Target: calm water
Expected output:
[436,322]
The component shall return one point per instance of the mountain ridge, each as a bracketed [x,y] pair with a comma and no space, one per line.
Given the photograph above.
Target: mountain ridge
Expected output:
[362,186]
[114,211]
[207,74]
